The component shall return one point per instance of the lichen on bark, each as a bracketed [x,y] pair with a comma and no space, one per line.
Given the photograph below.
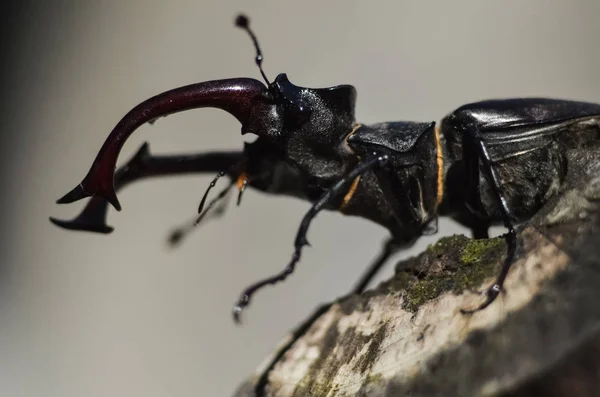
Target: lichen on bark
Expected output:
[455,263]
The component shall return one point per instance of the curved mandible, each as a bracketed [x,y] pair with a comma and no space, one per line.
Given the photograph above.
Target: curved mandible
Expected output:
[236,96]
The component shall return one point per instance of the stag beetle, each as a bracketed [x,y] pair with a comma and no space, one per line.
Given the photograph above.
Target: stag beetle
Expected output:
[487,162]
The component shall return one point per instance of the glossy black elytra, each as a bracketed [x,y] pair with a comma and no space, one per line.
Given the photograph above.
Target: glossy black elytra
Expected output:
[486,162]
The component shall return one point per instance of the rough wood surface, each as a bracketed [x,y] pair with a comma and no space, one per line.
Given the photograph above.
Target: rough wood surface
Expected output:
[408,337]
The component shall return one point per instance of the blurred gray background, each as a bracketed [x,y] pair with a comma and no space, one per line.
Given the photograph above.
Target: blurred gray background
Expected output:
[123,315]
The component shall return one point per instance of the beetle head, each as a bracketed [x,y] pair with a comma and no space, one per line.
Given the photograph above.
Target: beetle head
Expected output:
[292,111]
[298,111]
[308,123]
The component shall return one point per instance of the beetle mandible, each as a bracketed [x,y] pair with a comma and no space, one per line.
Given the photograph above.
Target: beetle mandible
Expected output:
[485,163]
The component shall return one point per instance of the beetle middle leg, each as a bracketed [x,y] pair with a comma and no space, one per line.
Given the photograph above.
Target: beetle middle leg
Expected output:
[475,146]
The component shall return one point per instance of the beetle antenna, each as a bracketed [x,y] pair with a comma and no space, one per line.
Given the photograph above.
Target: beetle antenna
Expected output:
[215,200]
[212,184]
[242,22]
[177,235]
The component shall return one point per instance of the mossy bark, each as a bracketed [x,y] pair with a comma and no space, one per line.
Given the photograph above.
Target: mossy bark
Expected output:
[408,336]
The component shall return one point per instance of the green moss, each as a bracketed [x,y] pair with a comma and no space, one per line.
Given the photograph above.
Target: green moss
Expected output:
[446,244]
[453,264]
[425,290]
[476,250]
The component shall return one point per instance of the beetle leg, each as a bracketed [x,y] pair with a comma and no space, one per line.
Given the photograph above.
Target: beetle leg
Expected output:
[473,138]
[390,247]
[301,241]
[144,165]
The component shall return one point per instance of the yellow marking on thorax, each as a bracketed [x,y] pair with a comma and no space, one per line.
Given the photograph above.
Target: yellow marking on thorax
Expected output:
[354,185]
[440,166]
[350,193]
[356,127]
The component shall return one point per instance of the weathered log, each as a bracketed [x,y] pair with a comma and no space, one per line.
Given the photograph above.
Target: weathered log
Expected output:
[408,337]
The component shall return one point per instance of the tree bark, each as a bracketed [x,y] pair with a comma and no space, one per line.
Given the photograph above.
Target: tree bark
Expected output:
[408,337]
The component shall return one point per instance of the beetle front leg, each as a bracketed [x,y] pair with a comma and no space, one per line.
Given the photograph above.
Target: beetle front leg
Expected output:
[300,241]
[473,142]
[144,165]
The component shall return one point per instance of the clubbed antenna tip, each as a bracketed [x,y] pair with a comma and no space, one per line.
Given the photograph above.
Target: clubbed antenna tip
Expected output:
[242,22]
